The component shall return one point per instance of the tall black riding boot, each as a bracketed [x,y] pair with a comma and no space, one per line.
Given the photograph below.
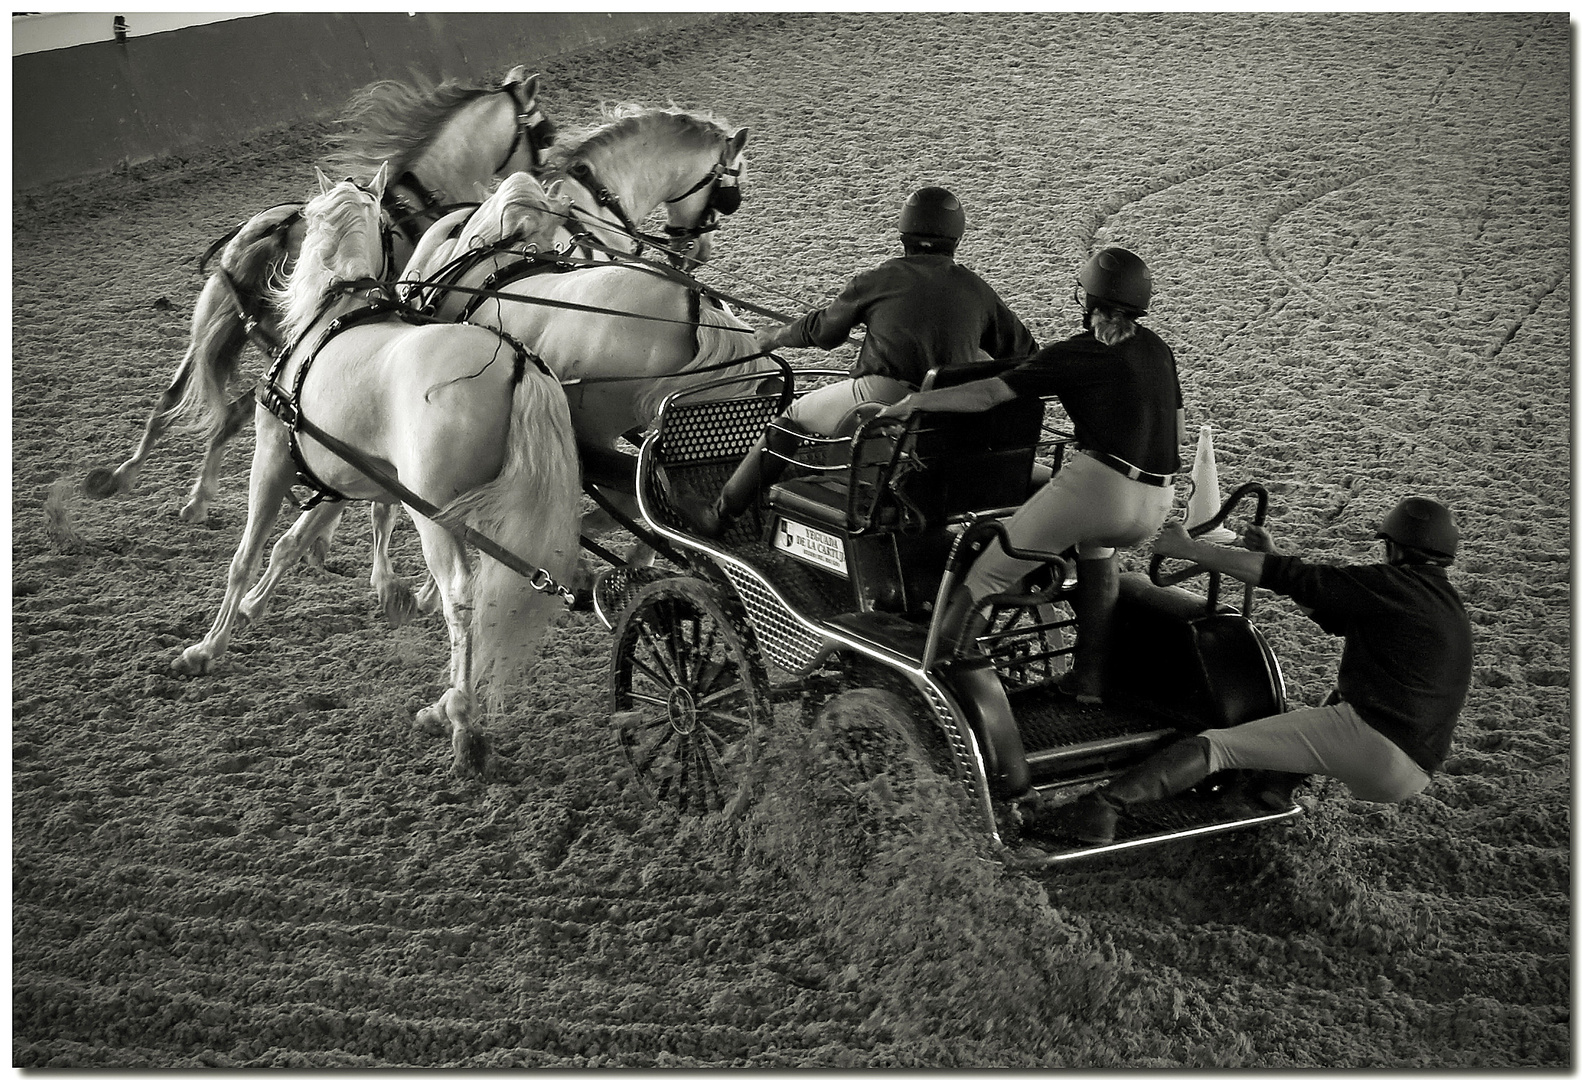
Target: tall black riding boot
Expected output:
[1093,603]
[762,466]
[1092,818]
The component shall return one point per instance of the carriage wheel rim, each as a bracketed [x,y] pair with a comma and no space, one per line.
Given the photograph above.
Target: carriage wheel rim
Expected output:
[680,651]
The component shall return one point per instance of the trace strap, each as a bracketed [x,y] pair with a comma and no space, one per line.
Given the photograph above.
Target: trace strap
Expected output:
[537,576]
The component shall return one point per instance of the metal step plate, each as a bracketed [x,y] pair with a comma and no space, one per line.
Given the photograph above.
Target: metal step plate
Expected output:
[1185,817]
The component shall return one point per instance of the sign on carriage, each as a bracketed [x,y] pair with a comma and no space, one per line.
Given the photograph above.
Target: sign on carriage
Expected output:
[811,545]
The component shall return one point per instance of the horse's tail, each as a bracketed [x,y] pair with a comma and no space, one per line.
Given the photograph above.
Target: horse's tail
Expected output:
[722,337]
[254,258]
[531,509]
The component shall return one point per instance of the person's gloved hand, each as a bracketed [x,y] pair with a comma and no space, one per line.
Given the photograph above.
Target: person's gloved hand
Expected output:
[1257,538]
[767,339]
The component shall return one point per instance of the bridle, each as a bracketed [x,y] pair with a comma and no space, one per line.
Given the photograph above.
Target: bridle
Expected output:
[533,129]
[725,199]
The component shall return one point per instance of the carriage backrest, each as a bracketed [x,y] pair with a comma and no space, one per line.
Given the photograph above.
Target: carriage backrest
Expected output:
[958,463]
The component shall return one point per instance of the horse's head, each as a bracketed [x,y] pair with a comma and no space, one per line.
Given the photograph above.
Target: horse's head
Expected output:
[343,243]
[695,213]
[535,133]
[441,141]
[519,211]
[344,219]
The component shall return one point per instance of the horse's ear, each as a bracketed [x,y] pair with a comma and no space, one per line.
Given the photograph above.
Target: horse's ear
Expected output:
[378,185]
[324,181]
[516,75]
[531,87]
[738,141]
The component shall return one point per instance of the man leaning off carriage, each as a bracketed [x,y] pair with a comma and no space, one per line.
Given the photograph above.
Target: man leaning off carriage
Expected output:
[1404,673]
[922,311]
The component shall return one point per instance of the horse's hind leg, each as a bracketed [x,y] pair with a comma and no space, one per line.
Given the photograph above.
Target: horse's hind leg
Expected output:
[447,561]
[207,485]
[272,476]
[213,348]
[102,483]
[395,598]
[288,551]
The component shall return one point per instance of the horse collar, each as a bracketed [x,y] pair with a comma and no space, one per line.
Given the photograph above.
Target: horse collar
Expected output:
[286,405]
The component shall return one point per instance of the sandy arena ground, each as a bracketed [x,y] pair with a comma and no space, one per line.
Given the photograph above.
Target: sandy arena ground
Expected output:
[1360,226]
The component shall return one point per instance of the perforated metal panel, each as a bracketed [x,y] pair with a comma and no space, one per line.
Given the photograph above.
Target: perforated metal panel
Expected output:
[710,430]
[786,642]
[969,765]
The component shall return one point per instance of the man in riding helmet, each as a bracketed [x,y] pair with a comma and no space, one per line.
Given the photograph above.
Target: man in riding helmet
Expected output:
[1117,381]
[922,311]
[1404,673]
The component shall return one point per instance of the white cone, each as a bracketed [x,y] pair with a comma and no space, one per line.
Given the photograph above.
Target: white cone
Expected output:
[1204,502]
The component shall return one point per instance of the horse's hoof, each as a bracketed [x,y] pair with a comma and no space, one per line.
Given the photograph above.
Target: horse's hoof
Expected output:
[431,721]
[399,605]
[101,483]
[472,752]
[195,512]
[246,613]
[192,661]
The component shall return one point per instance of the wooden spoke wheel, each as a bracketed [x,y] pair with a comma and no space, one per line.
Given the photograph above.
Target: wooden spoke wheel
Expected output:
[689,694]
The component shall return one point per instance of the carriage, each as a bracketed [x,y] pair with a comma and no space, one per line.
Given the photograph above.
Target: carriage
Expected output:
[832,583]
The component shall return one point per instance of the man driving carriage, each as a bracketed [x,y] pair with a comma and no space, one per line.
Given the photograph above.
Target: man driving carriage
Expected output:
[922,311]
[1117,381]
[1404,673]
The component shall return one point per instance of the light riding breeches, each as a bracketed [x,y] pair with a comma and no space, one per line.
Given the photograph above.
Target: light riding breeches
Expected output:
[1086,504]
[1330,740]
[823,411]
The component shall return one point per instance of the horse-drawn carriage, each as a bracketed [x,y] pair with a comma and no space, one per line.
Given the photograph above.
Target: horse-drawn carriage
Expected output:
[833,582]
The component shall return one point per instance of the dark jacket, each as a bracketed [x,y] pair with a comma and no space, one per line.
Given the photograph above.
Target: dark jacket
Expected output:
[1122,399]
[1407,661]
[921,312]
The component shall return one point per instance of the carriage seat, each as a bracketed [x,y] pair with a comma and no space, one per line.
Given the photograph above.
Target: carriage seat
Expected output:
[942,466]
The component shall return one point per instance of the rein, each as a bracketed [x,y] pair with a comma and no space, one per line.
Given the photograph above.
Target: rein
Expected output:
[616,257]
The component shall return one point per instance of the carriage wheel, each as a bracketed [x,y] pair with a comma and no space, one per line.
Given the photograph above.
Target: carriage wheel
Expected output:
[689,694]
[1029,657]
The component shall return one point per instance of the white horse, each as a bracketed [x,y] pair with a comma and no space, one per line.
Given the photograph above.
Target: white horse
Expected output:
[457,415]
[654,331]
[444,144]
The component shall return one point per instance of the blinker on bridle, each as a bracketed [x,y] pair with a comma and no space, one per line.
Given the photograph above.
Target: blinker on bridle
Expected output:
[724,200]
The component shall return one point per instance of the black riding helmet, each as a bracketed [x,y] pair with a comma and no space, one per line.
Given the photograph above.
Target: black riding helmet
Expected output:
[1423,525]
[932,213]
[1119,279]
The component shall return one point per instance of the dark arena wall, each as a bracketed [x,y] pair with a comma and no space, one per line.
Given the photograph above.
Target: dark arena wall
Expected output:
[91,107]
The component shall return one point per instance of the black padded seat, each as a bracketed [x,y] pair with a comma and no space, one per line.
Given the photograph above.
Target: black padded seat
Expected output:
[947,465]
[817,500]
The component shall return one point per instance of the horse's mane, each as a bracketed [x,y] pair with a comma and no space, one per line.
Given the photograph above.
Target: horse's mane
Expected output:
[519,209]
[392,121]
[323,262]
[621,120]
